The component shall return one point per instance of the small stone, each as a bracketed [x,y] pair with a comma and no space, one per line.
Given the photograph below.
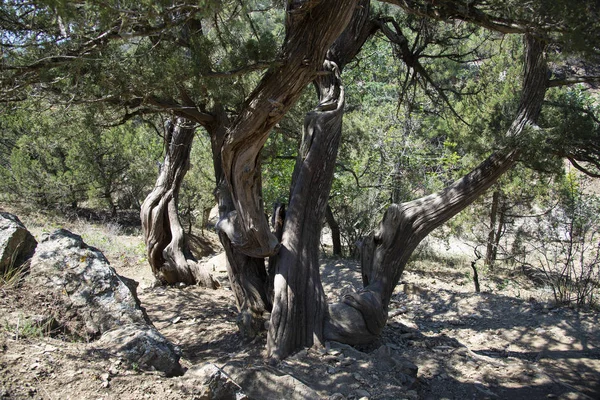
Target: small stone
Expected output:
[347,361]
[175,320]
[299,355]
[331,370]
[336,396]
[361,394]
[49,348]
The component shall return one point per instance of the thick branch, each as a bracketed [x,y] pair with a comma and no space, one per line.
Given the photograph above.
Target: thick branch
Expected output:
[360,316]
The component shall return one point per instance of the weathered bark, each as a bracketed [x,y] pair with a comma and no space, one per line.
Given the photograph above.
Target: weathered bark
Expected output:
[168,253]
[499,232]
[335,231]
[247,275]
[311,27]
[299,304]
[361,316]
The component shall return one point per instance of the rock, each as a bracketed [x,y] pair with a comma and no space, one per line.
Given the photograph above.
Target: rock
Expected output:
[269,383]
[361,393]
[143,347]
[209,382]
[105,302]
[386,359]
[16,243]
[65,264]
[336,396]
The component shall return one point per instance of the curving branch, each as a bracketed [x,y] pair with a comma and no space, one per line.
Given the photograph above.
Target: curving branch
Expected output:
[359,317]
[308,36]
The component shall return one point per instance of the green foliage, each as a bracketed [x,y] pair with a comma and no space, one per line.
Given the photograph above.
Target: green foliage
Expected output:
[567,247]
[61,157]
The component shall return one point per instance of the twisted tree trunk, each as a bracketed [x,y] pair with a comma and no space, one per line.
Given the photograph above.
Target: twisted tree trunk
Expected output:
[168,252]
[299,304]
[247,275]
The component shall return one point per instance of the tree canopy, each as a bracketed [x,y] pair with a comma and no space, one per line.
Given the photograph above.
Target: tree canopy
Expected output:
[429,88]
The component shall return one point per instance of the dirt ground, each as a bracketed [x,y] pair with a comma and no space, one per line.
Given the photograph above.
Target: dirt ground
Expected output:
[507,342]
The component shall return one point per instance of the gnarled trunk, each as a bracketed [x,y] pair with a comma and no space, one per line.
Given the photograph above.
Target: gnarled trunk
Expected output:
[247,275]
[168,252]
[360,317]
[299,304]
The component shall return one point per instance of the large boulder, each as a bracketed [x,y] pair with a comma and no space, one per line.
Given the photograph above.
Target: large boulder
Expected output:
[16,243]
[63,262]
[105,302]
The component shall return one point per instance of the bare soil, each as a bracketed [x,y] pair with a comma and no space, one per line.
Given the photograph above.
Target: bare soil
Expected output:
[507,342]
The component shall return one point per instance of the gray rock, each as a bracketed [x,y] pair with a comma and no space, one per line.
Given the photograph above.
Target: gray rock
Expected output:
[269,383]
[387,359]
[65,264]
[361,393]
[143,347]
[105,302]
[209,382]
[16,243]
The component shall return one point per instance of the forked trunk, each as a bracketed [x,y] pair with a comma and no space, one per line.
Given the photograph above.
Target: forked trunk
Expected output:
[168,252]
[311,28]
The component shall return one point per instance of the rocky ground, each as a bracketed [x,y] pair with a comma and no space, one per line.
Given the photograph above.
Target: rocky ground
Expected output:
[442,340]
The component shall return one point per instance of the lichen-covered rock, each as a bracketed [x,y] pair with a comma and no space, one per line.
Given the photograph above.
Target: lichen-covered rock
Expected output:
[63,262]
[103,300]
[143,347]
[16,243]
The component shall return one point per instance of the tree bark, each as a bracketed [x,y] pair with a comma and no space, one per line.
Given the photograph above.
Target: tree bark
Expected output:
[168,252]
[360,317]
[299,304]
[247,275]
[491,240]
